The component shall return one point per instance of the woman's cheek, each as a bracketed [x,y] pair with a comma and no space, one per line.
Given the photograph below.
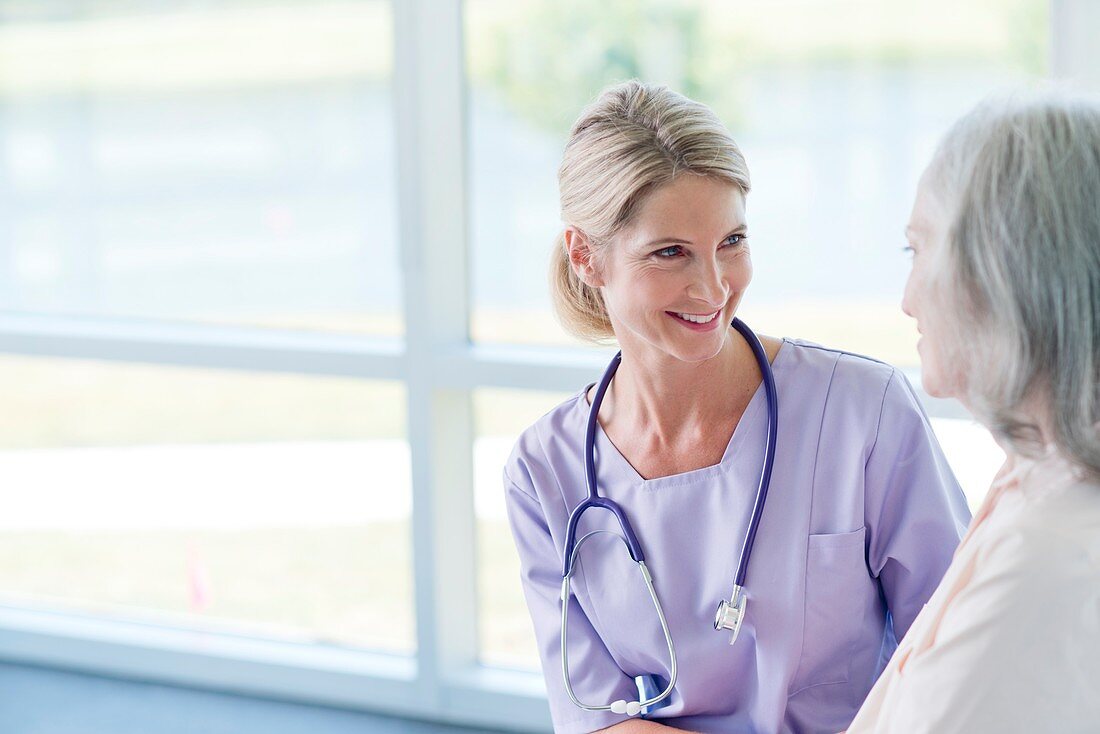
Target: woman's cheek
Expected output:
[742,275]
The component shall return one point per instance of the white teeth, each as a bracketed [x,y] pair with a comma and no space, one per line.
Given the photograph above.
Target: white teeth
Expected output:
[698,319]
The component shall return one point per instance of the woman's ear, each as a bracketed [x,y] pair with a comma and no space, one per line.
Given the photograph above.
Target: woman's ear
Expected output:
[582,257]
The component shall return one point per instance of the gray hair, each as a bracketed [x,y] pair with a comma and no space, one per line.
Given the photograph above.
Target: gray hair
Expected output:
[633,139]
[1020,271]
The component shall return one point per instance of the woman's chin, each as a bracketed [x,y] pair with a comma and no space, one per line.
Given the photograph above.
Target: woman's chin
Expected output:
[699,352]
[935,386]
[933,378]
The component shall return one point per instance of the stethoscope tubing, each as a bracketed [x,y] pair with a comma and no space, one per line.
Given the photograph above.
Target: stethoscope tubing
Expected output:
[769,448]
[594,500]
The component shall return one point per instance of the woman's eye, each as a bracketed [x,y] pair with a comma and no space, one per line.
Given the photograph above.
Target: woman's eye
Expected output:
[735,239]
[908,250]
[671,251]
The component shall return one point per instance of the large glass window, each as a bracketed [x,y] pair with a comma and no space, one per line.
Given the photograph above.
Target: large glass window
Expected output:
[237,163]
[250,502]
[836,106]
[972,453]
[226,162]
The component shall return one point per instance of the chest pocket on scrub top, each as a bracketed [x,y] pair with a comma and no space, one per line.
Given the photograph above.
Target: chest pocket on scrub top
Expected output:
[836,575]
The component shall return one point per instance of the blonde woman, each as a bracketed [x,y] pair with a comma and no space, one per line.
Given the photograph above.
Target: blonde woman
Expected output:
[862,513]
[1005,289]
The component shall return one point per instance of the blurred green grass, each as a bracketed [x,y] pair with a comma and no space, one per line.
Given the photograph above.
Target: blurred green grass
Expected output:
[348,586]
[338,584]
[76,402]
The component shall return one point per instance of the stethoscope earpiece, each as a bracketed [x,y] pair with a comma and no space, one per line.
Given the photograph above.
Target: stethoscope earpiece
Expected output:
[622,707]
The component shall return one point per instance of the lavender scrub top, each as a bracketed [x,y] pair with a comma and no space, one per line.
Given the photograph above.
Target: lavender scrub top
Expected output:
[861,520]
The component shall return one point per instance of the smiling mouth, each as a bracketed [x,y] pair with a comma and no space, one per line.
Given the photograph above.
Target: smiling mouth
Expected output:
[696,318]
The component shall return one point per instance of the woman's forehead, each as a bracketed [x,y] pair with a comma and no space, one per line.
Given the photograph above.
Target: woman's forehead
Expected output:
[926,219]
[692,204]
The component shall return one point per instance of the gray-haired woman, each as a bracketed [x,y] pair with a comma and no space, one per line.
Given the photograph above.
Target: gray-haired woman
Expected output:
[1005,289]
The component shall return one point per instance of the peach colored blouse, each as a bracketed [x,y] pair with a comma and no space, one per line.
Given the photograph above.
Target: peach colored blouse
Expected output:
[1010,641]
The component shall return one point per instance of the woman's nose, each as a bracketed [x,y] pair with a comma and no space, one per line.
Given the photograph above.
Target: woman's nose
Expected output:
[711,284]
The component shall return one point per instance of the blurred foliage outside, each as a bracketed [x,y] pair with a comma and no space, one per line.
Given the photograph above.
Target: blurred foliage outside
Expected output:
[548,58]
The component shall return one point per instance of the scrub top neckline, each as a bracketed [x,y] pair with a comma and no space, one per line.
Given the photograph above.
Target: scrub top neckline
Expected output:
[609,451]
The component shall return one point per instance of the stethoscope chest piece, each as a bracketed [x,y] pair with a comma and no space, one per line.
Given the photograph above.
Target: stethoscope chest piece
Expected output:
[730,614]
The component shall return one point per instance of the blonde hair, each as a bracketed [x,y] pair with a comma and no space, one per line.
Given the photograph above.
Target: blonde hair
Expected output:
[1020,274]
[633,139]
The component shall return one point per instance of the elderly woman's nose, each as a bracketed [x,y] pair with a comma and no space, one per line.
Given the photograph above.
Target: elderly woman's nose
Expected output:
[907,300]
[910,297]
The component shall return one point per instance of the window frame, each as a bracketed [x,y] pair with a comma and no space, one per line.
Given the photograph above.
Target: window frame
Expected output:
[440,368]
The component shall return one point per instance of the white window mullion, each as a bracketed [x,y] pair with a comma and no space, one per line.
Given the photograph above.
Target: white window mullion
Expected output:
[202,345]
[429,103]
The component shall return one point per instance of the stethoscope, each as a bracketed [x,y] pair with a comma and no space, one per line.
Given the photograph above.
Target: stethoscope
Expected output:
[729,614]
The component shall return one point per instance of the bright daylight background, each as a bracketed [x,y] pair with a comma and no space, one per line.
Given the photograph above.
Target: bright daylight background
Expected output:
[233,163]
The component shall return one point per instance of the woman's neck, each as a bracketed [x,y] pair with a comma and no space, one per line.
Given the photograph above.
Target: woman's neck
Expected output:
[673,399]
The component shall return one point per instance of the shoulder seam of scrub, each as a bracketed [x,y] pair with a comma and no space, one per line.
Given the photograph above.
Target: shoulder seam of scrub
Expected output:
[546,459]
[535,428]
[515,485]
[820,348]
[881,410]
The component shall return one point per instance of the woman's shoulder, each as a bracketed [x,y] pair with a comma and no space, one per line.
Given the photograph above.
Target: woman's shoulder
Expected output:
[1058,516]
[1046,544]
[557,433]
[850,374]
[813,353]
[859,395]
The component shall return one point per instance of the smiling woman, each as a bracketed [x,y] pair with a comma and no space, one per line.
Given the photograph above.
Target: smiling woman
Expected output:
[665,283]
[654,253]
[598,207]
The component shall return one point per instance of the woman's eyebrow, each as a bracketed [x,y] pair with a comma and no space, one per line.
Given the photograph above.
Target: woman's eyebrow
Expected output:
[666,241]
[677,241]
